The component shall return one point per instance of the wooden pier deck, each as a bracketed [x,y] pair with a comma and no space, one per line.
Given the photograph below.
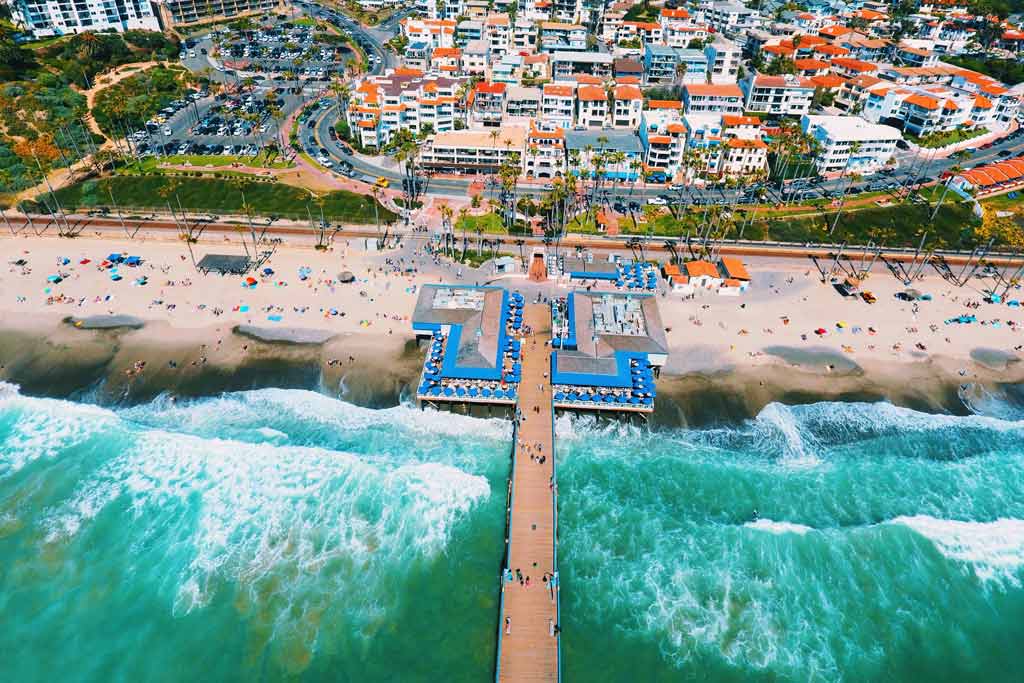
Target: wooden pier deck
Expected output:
[527,651]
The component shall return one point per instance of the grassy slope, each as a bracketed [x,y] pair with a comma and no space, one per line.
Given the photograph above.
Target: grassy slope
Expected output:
[220,196]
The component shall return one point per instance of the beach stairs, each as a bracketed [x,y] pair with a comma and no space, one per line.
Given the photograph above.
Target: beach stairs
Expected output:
[538,268]
[528,646]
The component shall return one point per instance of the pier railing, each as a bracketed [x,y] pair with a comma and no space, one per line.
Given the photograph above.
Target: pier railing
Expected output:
[556,590]
[509,500]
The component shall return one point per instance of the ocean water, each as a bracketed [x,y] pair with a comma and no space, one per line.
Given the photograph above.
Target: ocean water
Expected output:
[284,535]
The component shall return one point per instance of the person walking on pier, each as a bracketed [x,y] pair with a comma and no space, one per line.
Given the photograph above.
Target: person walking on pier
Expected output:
[508,626]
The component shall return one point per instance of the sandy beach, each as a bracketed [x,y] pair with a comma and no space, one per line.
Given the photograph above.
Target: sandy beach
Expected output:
[299,326]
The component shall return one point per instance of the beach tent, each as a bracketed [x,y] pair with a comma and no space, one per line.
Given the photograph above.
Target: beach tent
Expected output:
[346,276]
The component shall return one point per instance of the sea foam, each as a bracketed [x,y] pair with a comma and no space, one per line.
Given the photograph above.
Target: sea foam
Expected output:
[995,549]
[773,527]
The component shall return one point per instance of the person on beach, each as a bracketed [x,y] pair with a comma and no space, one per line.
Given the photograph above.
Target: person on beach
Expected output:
[508,626]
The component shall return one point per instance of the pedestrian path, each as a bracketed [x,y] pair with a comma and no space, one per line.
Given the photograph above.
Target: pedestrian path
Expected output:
[528,642]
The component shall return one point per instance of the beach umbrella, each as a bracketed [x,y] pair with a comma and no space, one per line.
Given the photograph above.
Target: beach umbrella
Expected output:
[559,395]
[473,391]
[347,276]
[648,401]
[460,392]
[572,396]
[621,399]
[424,388]
[498,393]
[115,277]
[634,400]
[268,271]
[511,393]
[448,391]
[54,278]
[821,331]
[486,393]
[435,391]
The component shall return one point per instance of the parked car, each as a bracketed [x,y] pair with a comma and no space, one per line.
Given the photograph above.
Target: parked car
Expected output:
[382,182]
[658,201]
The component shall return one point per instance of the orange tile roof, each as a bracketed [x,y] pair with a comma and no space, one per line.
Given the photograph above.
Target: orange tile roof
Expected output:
[734,268]
[664,104]
[628,92]
[404,71]
[660,140]
[675,13]
[833,50]
[950,105]
[591,93]
[670,270]
[740,143]
[707,89]
[627,80]
[701,269]
[810,64]
[490,88]
[858,65]
[828,81]
[558,90]
[446,52]
[982,102]
[729,120]
[588,79]
[923,102]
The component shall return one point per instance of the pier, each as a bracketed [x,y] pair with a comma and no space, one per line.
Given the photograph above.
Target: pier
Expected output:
[527,648]
[586,351]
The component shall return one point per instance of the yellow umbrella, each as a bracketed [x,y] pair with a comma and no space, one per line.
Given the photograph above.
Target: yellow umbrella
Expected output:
[841,323]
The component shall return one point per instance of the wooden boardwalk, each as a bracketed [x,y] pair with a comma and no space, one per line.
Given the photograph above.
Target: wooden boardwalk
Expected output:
[527,650]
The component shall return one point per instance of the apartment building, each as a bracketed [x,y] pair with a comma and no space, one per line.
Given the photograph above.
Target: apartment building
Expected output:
[724,58]
[440,9]
[544,156]
[498,32]
[584,147]
[524,35]
[591,107]
[678,28]
[467,31]
[565,66]
[45,18]
[851,144]
[446,60]
[627,107]
[558,105]
[780,95]
[522,105]
[475,57]
[730,18]
[743,158]
[473,152]
[663,137]
[644,31]
[660,62]
[559,37]
[433,32]
[710,98]
[382,105]
[485,105]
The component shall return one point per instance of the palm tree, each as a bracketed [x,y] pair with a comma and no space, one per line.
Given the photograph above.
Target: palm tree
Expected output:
[446,224]
[854,148]
[465,228]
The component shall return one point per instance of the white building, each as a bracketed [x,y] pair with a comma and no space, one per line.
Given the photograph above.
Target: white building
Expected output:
[473,151]
[724,57]
[60,17]
[781,95]
[838,136]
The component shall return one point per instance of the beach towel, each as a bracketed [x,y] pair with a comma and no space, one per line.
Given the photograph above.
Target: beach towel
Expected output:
[274,318]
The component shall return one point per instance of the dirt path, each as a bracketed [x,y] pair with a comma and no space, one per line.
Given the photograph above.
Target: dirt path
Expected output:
[109,79]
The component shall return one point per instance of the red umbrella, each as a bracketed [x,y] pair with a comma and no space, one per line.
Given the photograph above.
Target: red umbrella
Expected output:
[820,331]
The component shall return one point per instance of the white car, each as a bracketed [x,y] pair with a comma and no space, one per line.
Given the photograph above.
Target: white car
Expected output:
[167,132]
[657,201]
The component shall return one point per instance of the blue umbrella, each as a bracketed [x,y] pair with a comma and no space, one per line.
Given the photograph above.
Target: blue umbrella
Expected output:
[648,401]
[448,391]
[498,393]
[511,393]
[460,392]
[634,400]
[473,391]
[435,391]
[559,395]
[486,393]
[621,399]
[609,399]
[572,396]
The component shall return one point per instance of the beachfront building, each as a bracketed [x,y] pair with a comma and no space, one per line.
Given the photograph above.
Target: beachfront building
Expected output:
[440,9]
[470,335]
[592,107]
[485,105]
[544,156]
[473,152]
[607,347]
[613,154]
[558,105]
[663,137]
[851,144]
[627,107]
[45,18]
[780,95]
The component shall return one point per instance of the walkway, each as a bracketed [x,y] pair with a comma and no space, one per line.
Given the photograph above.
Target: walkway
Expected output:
[528,652]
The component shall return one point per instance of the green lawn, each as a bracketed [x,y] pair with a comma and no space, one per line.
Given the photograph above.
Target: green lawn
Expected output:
[220,197]
[489,223]
[1004,203]
[936,140]
[153,163]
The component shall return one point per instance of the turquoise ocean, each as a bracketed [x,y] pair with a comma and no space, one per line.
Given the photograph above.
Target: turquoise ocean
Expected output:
[285,535]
